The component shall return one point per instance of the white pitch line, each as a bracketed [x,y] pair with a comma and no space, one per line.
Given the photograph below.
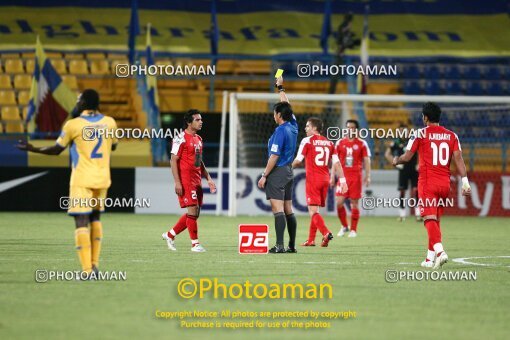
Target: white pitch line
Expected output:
[286,262]
[462,260]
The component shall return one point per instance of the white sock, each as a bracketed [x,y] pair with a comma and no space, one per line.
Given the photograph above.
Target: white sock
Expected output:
[193,242]
[173,232]
[402,212]
[431,255]
[438,247]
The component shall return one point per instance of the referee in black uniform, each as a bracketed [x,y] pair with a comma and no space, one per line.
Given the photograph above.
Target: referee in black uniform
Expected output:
[407,172]
[278,178]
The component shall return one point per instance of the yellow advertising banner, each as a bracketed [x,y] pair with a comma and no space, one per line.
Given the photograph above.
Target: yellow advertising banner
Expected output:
[259,33]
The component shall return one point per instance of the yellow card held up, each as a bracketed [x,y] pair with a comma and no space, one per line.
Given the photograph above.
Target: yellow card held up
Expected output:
[279,73]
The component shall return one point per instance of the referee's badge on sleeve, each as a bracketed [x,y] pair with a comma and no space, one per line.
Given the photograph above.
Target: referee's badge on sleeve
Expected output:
[274,148]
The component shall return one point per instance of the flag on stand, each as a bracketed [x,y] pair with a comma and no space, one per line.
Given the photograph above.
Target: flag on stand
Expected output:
[363,79]
[134,30]
[151,103]
[51,101]
[326,27]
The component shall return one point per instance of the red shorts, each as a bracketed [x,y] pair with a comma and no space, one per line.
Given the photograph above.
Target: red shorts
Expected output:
[192,195]
[432,198]
[316,193]
[354,183]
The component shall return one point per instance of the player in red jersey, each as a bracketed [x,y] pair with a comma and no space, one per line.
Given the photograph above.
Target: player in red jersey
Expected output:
[351,153]
[436,146]
[187,170]
[317,152]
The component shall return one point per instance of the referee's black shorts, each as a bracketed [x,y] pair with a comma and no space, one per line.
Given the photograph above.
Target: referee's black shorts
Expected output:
[406,175]
[279,183]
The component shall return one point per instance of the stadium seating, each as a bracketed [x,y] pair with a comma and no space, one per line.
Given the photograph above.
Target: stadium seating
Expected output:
[506,87]
[10,113]
[412,72]
[506,72]
[24,112]
[53,55]
[432,87]
[451,72]
[5,81]
[14,127]
[13,66]
[225,66]
[453,88]
[7,97]
[95,56]
[474,89]
[495,89]
[432,72]
[59,65]
[116,56]
[28,55]
[99,67]
[493,73]
[23,97]
[30,65]
[411,87]
[471,72]
[118,98]
[253,67]
[71,81]
[78,67]
[22,81]
[74,56]
[484,121]
[10,55]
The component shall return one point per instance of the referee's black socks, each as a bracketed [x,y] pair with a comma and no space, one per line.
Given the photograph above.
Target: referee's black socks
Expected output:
[279,222]
[292,227]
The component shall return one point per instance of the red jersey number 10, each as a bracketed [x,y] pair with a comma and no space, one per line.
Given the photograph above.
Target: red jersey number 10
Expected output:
[440,153]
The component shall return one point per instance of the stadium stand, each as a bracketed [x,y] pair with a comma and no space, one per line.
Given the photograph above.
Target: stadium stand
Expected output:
[176,94]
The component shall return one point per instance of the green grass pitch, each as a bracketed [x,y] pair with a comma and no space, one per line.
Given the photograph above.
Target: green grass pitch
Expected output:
[354,267]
